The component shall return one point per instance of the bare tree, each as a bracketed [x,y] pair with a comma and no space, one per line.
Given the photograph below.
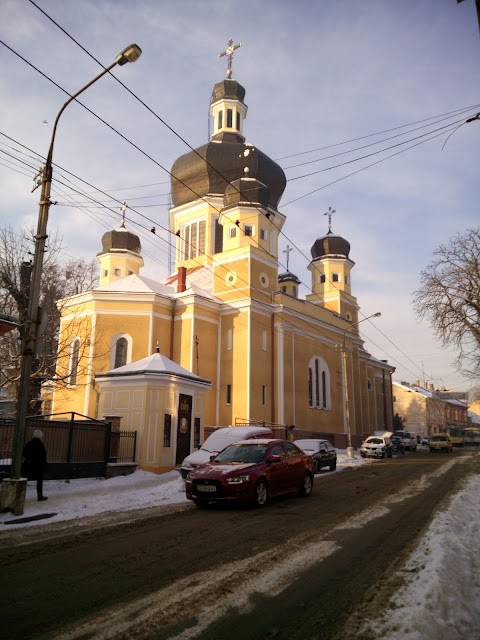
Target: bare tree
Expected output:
[61,278]
[449,297]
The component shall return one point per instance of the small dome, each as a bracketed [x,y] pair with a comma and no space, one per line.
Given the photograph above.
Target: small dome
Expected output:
[288,277]
[121,240]
[330,245]
[228,89]
[248,192]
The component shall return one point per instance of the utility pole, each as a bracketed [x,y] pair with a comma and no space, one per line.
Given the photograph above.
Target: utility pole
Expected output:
[12,495]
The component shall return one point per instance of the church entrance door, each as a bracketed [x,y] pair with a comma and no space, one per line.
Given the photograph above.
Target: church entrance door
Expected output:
[184,427]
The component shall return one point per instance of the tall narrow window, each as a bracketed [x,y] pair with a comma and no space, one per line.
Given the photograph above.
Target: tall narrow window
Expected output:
[238,121]
[335,277]
[121,349]
[324,390]
[73,365]
[218,237]
[228,398]
[264,340]
[264,394]
[220,119]
[310,387]
[322,278]
[229,118]
[319,384]
[196,433]
[167,430]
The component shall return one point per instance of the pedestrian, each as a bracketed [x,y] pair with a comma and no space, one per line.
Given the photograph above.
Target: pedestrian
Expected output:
[35,461]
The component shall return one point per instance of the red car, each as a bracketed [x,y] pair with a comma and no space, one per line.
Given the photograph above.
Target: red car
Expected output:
[252,471]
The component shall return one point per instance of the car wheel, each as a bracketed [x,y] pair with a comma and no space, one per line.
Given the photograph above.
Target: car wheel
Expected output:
[384,455]
[333,466]
[261,493]
[307,485]
[390,454]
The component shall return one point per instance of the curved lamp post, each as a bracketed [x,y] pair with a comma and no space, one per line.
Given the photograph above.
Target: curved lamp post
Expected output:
[30,333]
[343,349]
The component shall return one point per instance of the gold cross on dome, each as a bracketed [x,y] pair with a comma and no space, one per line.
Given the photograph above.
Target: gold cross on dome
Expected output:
[329,213]
[288,250]
[229,53]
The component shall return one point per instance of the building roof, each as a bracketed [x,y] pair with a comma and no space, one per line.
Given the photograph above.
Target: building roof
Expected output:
[120,239]
[330,245]
[156,364]
[137,284]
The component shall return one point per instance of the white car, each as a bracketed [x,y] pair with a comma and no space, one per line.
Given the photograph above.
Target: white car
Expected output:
[376,447]
[217,442]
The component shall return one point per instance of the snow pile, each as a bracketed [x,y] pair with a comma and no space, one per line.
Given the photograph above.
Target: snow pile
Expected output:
[441,595]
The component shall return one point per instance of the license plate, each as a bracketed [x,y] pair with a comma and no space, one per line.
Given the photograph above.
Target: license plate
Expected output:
[210,488]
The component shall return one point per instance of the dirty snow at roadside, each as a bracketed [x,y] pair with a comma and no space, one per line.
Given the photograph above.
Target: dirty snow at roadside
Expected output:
[441,594]
[91,496]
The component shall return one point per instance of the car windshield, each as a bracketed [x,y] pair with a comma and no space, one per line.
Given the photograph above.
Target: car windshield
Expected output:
[374,441]
[439,438]
[309,445]
[217,442]
[242,453]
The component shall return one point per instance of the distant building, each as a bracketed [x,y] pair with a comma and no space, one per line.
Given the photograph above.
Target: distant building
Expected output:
[426,410]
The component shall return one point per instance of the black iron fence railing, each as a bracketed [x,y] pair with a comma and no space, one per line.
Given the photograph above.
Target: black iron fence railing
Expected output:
[72,442]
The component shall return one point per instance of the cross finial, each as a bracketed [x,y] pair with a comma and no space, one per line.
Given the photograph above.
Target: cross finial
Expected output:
[329,213]
[123,209]
[288,250]
[229,53]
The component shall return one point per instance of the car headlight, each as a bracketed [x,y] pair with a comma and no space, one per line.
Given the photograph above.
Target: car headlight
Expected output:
[189,477]
[238,479]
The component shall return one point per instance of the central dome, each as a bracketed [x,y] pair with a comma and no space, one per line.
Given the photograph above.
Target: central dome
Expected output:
[212,167]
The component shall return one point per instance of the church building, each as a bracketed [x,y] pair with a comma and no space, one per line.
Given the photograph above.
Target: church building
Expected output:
[226,338]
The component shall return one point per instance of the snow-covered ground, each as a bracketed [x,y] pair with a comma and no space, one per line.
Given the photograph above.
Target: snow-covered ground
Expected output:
[441,593]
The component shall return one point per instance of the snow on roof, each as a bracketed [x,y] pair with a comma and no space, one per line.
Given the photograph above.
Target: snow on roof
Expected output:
[154,364]
[474,417]
[136,284]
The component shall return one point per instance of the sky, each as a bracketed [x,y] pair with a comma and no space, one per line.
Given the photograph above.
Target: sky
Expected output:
[439,596]
[317,75]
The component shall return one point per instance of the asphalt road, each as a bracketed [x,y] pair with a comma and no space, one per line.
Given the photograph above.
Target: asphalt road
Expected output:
[300,568]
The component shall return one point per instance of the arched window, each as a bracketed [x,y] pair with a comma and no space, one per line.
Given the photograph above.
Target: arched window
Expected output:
[121,351]
[73,362]
[318,384]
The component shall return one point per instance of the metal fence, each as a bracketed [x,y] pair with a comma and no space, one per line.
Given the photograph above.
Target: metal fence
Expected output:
[76,447]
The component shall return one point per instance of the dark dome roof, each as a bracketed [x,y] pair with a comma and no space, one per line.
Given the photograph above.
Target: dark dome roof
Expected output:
[121,239]
[229,89]
[288,277]
[196,170]
[330,245]
[248,191]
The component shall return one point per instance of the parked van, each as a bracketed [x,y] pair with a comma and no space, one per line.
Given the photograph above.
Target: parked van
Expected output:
[409,439]
[217,442]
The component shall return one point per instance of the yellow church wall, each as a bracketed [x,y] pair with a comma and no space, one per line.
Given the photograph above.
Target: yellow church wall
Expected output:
[260,351]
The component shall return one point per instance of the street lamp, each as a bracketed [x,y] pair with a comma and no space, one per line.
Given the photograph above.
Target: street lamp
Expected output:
[30,333]
[343,349]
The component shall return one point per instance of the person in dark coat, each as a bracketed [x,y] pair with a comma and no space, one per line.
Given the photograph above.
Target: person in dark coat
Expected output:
[35,461]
